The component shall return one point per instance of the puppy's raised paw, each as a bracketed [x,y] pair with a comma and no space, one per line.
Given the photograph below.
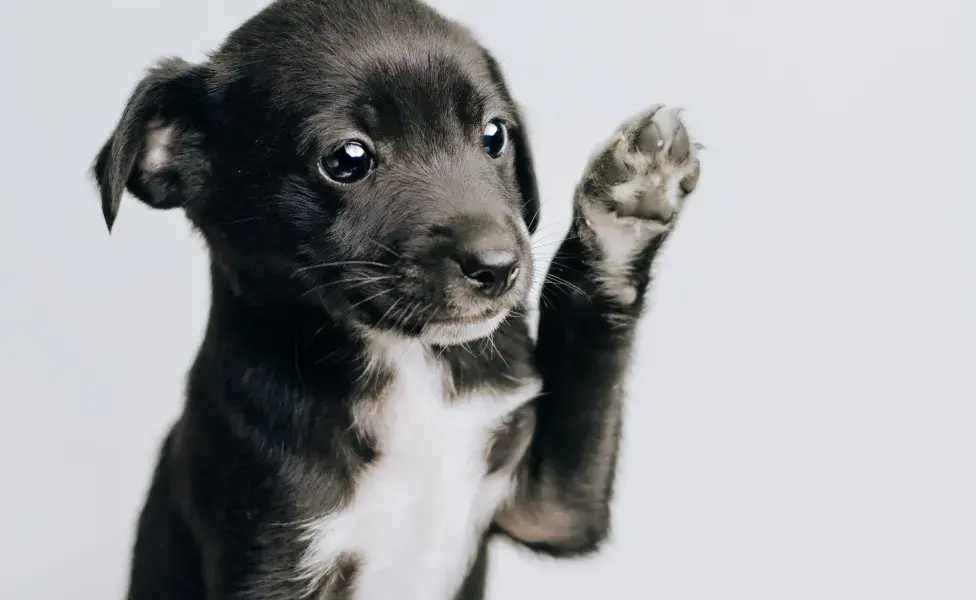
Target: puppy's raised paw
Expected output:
[633,190]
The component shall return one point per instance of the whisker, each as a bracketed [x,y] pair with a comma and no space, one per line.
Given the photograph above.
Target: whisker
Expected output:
[558,282]
[560,234]
[387,248]
[337,264]
[547,244]
[491,340]
[404,316]
[538,233]
[377,295]
[407,347]
[239,221]
[355,282]
[392,306]
[507,366]
[535,218]
[549,228]
[464,345]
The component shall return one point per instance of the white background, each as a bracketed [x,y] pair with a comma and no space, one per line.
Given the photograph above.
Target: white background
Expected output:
[802,420]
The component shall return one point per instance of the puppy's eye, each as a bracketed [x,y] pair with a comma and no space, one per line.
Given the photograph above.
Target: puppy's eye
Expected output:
[348,164]
[494,138]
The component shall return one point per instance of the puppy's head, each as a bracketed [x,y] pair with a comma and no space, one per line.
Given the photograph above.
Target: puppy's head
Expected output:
[362,157]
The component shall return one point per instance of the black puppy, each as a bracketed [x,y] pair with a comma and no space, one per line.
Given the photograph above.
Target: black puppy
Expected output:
[367,407]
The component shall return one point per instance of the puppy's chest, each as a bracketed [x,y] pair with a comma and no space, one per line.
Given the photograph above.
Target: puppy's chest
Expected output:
[416,516]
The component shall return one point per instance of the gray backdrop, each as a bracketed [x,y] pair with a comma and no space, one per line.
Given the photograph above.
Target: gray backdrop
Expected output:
[802,420]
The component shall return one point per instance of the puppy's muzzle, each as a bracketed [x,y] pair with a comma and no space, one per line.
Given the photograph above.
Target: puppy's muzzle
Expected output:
[488,255]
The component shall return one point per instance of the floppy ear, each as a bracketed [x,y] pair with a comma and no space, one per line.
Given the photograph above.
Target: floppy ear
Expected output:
[524,168]
[156,151]
[525,176]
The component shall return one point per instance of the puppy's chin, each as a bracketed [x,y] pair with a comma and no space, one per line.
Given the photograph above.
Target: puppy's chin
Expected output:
[450,334]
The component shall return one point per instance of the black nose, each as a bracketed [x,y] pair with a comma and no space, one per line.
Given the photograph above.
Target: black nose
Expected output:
[492,271]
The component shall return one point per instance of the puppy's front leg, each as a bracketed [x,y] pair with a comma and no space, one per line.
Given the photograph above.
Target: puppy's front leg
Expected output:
[625,206]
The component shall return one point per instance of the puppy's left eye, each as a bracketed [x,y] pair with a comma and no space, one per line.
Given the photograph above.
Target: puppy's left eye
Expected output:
[348,164]
[494,138]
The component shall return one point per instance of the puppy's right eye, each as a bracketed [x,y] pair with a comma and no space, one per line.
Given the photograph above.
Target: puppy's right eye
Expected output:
[350,163]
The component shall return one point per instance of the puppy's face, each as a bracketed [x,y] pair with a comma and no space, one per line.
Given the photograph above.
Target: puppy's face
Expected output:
[365,159]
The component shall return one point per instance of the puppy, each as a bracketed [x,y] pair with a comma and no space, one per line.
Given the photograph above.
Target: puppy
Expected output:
[367,408]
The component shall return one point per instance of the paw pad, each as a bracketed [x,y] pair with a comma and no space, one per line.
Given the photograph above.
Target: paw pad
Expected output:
[634,189]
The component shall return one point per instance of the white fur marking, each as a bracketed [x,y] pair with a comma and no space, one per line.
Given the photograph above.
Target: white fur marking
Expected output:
[620,238]
[157,148]
[418,513]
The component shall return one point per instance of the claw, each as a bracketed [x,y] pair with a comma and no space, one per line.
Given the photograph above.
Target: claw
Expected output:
[689,183]
[681,144]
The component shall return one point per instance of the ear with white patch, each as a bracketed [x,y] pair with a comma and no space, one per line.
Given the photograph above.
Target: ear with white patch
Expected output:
[156,151]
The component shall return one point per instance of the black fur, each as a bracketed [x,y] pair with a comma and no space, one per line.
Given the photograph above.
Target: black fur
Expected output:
[267,435]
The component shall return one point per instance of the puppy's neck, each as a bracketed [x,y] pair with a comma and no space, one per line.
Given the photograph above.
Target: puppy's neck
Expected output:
[263,329]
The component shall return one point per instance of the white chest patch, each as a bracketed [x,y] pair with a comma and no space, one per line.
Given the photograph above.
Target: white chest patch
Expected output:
[417,514]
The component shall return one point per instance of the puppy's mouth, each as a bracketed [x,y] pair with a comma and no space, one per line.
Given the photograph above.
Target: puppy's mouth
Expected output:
[448,332]
[428,320]
[437,303]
